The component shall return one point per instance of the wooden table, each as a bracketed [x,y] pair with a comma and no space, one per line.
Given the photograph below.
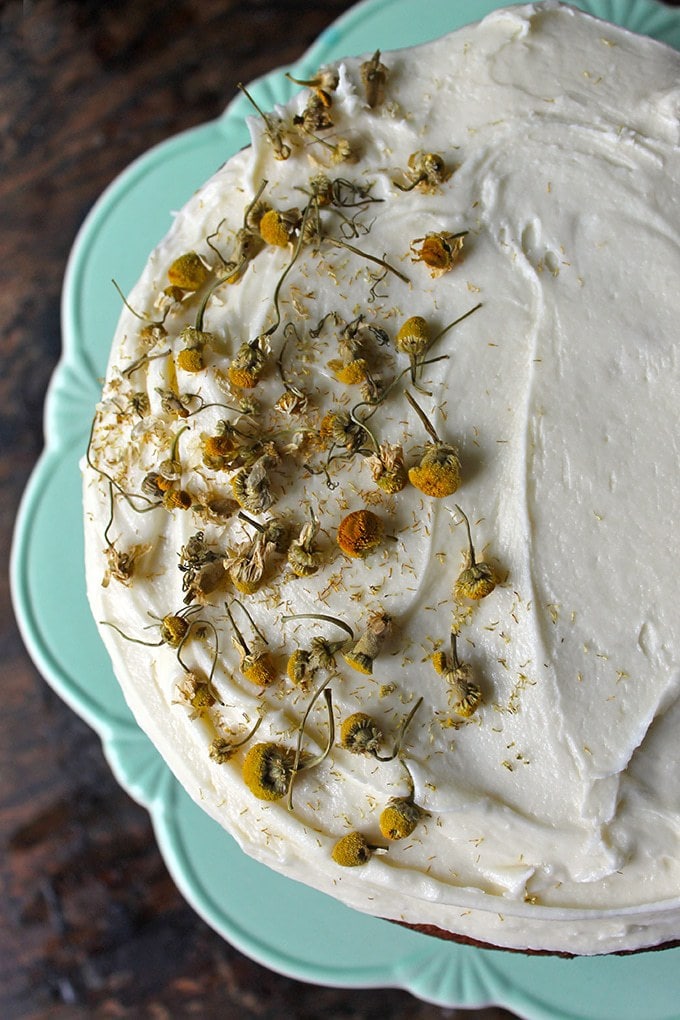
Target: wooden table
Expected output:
[90,922]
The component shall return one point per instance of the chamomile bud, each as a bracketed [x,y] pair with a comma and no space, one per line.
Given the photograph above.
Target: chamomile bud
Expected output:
[190,359]
[439,252]
[341,429]
[368,646]
[350,373]
[154,484]
[188,272]
[477,579]
[252,485]
[259,668]
[315,115]
[174,629]
[426,170]
[278,229]
[388,468]
[247,366]
[440,662]
[414,337]
[399,818]
[360,533]
[268,769]
[222,749]
[177,499]
[300,669]
[198,692]
[352,850]
[304,559]
[360,735]
[374,78]
[465,695]
[438,472]
[219,451]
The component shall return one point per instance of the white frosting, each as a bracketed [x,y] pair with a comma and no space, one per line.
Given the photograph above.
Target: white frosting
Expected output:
[554,812]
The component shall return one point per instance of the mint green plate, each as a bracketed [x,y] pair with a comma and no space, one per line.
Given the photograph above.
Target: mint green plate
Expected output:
[277,922]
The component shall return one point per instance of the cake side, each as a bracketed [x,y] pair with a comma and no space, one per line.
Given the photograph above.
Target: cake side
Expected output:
[550,209]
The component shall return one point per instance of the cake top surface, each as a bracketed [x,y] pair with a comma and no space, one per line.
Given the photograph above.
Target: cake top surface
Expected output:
[437,334]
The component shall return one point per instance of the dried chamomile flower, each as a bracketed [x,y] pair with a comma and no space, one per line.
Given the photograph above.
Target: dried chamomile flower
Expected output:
[352,366]
[222,749]
[138,403]
[304,663]
[221,451]
[341,429]
[155,485]
[388,468]
[202,567]
[174,628]
[315,115]
[273,129]
[198,691]
[247,365]
[279,229]
[359,734]
[120,566]
[304,558]
[171,467]
[268,769]
[176,404]
[292,402]
[190,357]
[153,331]
[300,668]
[464,695]
[246,565]
[177,499]
[362,736]
[399,819]
[351,372]
[476,580]
[248,241]
[438,472]
[414,339]
[188,272]
[252,485]
[344,151]
[373,78]
[323,652]
[324,82]
[353,850]
[360,533]
[368,646]
[273,531]
[257,665]
[440,252]
[426,170]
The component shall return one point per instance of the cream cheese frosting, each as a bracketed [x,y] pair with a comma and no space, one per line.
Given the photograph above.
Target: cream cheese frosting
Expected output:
[550,817]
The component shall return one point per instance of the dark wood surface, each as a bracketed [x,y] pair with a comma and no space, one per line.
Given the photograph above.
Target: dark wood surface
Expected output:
[91,924]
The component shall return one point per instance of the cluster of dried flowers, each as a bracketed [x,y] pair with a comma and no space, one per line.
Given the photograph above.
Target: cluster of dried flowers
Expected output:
[251,447]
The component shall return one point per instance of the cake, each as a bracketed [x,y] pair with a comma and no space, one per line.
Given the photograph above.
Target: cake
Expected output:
[380,494]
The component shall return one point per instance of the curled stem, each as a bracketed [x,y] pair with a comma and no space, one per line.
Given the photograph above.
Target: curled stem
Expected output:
[320,616]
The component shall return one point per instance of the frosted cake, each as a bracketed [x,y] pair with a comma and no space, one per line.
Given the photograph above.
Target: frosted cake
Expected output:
[380,494]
